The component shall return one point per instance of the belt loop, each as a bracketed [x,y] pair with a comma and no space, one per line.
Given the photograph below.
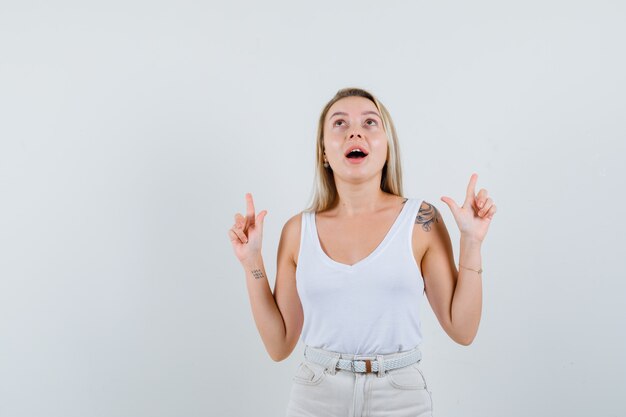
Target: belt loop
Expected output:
[381,365]
[332,366]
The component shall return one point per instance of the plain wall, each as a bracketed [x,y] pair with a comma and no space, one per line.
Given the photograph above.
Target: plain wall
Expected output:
[131,131]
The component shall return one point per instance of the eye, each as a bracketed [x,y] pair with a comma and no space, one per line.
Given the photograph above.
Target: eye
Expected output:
[337,121]
[372,120]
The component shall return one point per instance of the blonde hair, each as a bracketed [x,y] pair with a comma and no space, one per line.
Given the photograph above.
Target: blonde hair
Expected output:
[325,191]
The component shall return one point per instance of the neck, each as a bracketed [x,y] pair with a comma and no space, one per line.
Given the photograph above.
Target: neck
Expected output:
[362,198]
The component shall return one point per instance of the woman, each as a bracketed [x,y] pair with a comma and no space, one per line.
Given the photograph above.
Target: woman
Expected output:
[353,267]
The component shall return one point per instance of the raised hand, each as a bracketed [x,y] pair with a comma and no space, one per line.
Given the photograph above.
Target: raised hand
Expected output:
[247,233]
[474,217]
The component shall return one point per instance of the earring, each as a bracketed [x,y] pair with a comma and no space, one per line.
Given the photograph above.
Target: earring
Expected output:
[326,164]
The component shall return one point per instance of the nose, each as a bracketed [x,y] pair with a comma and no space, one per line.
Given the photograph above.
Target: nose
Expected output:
[354,135]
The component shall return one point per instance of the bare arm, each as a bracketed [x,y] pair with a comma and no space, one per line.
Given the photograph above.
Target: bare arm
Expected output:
[267,316]
[468,295]
[278,317]
[455,296]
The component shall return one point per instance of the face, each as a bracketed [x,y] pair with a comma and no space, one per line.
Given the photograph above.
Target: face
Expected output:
[350,122]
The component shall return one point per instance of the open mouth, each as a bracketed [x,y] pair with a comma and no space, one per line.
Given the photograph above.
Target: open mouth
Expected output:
[356,154]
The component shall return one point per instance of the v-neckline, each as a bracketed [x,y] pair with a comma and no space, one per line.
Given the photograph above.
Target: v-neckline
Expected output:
[376,250]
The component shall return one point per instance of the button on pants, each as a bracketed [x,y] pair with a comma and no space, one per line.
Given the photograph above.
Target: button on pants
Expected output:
[324,391]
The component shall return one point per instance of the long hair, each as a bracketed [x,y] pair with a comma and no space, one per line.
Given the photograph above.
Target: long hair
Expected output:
[325,194]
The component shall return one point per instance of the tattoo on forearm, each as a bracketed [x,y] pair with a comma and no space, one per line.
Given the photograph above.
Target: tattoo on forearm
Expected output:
[426,215]
[257,273]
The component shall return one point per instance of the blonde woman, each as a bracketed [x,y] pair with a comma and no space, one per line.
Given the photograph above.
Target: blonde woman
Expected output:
[353,268]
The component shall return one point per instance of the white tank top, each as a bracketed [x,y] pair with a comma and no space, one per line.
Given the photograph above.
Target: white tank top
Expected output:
[371,307]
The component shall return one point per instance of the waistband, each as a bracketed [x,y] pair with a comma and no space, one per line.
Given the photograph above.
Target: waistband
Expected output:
[362,363]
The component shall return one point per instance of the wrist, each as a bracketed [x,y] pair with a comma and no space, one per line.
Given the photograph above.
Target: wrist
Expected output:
[253,263]
[470,239]
[479,270]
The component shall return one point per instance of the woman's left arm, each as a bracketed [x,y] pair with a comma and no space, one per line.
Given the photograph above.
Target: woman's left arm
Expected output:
[456,297]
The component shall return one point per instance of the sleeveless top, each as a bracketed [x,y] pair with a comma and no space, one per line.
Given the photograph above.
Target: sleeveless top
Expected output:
[370,307]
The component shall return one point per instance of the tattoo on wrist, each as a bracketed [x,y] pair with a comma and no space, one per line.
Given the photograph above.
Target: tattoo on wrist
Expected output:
[257,273]
[427,215]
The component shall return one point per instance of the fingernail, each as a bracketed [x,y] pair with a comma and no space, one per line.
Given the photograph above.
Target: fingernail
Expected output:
[482,203]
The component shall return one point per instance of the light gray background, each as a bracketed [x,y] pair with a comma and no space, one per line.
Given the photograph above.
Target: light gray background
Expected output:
[130,132]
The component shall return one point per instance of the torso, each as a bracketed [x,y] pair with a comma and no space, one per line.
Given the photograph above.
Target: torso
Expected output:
[349,241]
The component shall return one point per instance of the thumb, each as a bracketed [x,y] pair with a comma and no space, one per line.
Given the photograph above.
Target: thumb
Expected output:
[261,217]
[450,203]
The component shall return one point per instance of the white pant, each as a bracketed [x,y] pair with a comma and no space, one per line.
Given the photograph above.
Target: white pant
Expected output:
[319,391]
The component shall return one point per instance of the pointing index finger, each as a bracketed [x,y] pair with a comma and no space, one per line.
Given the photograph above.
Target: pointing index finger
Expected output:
[471,187]
[250,212]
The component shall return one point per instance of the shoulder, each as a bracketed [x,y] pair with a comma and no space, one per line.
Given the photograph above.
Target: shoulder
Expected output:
[427,216]
[428,227]
[290,236]
[293,224]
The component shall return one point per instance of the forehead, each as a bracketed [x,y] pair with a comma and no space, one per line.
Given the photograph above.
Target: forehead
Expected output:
[352,105]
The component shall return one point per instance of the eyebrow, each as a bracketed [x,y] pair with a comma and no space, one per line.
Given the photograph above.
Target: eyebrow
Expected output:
[345,114]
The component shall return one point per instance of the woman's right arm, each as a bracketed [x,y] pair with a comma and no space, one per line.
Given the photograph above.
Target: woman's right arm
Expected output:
[278,316]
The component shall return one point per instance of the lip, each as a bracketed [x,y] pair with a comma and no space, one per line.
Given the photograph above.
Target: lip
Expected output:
[356,161]
[363,148]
